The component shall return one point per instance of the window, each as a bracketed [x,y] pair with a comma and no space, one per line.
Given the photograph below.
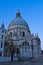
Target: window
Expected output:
[11,34]
[23,43]
[0,53]
[17,50]
[26,43]
[1,44]
[23,34]
[2,36]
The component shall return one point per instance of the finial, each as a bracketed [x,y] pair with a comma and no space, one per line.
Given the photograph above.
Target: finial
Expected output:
[35,34]
[18,14]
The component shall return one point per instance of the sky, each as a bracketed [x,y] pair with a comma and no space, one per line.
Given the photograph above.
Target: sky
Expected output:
[31,11]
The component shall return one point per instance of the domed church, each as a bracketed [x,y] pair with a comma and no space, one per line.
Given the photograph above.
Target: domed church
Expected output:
[26,44]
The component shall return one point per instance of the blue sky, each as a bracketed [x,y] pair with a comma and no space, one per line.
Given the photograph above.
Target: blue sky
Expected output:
[31,11]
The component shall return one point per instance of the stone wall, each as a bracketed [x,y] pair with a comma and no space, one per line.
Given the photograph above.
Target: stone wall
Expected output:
[7,59]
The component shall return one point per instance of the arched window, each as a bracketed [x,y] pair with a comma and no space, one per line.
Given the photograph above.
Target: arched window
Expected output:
[23,34]
[28,43]
[11,34]
[23,43]
[1,44]
[17,50]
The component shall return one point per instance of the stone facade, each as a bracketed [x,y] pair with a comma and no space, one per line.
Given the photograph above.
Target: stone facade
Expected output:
[27,45]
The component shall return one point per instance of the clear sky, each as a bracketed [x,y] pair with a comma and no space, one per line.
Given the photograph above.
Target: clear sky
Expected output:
[31,11]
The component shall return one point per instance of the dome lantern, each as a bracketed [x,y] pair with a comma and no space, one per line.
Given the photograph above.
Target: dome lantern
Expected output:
[18,14]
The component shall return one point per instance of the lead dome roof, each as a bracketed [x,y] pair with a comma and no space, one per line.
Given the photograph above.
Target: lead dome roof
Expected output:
[18,20]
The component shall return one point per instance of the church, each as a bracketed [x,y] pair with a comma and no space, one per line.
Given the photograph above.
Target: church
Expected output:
[27,45]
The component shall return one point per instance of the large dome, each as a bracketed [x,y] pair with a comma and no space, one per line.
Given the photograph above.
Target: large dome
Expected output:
[18,20]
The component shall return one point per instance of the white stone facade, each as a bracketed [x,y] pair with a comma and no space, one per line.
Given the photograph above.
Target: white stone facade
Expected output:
[27,44]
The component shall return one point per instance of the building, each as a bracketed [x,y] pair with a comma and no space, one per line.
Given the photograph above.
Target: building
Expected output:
[2,33]
[26,44]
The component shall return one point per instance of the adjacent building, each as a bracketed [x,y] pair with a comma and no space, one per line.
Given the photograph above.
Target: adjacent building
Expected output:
[2,33]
